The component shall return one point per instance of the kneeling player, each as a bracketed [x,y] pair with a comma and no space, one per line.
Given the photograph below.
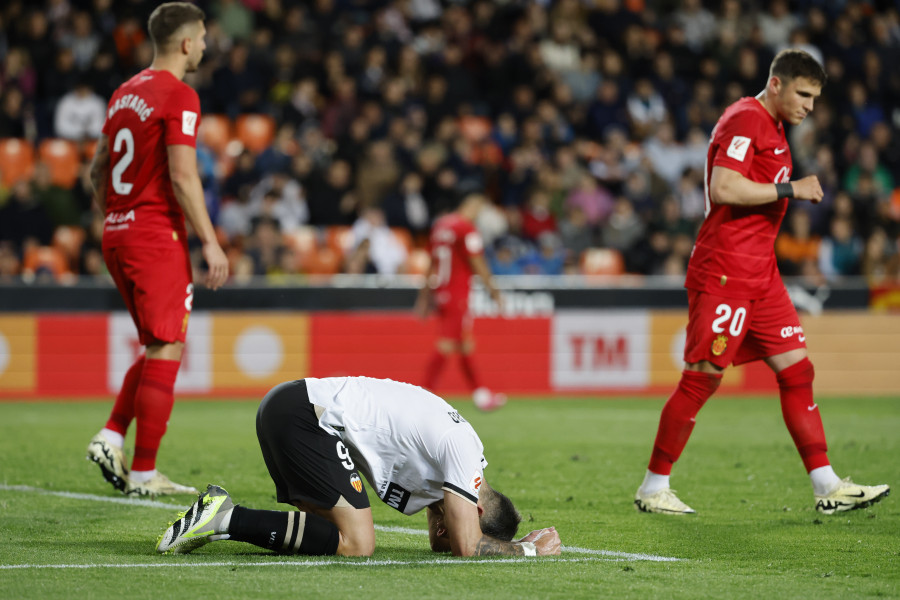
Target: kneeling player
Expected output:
[317,435]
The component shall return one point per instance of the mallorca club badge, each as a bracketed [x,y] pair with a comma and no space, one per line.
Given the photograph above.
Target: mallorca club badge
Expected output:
[719,344]
[356,482]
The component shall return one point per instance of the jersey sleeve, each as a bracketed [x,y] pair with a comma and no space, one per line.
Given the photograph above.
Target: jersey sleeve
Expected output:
[463,462]
[737,139]
[182,118]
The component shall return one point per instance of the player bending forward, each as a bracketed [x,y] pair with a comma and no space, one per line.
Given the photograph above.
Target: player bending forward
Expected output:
[457,252]
[739,310]
[145,179]
[317,435]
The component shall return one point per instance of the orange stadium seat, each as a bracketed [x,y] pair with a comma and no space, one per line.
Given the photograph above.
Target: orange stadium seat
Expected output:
[304,241]
[325,261]
[418,262]
[63,159]
[45,259]
[216,131]
[16,160]
[602,261]
[88,149]
[255,132]
[339,238]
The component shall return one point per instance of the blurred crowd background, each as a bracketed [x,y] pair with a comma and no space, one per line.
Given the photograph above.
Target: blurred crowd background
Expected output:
[335,131]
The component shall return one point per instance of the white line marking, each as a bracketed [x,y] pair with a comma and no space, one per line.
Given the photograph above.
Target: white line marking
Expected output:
[613,554]
[315,563]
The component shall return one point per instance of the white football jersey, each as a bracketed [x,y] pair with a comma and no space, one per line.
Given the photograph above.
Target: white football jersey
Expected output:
[410,444]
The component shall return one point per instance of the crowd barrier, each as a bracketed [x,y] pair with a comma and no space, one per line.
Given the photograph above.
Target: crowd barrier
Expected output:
[540,350]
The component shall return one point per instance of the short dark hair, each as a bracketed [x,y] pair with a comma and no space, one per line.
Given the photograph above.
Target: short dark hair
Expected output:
[792,64]
[500,518]
[168,18]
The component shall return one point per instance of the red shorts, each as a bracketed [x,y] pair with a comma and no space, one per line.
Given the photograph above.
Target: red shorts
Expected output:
[155,284]
[725,330]
[455,321]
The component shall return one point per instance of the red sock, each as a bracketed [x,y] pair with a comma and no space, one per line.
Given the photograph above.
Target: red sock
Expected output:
[677,419]
[123,410]
[469,370]
[805,425]
[433,369]
[155,397]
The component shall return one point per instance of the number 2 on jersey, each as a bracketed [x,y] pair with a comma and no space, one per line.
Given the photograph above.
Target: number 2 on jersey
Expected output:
[737,323]
[124,136]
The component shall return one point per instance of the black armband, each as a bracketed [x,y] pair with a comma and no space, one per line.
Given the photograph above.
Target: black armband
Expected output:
[784,190]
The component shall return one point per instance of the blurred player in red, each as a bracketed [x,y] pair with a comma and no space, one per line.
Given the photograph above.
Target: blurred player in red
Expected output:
[146,181]
[739,309]
[457,252]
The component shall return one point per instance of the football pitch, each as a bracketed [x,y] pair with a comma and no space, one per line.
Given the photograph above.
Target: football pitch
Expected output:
[571,463]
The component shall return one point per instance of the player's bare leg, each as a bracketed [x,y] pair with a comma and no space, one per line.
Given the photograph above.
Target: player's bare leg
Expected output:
[443,348]
[676,422]
[153,406]
[795,374]
[483,398]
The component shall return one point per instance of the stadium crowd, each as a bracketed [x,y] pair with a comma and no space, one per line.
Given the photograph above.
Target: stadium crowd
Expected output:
[335,131]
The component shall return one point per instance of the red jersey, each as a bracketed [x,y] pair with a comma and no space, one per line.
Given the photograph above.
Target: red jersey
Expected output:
[149,112]
[734,254]
[453,241]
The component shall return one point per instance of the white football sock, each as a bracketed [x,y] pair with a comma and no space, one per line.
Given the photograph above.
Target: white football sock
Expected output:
[824,479]
[141,476]
[113,437]
[653,482]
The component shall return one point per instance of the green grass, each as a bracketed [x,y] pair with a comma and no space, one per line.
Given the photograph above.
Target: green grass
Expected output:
[570,463]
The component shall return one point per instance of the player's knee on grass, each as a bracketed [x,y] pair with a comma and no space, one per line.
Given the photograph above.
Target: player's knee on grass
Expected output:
[356,543]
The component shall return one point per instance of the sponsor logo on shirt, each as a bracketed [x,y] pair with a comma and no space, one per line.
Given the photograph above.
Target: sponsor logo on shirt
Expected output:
[790,331]
[476,482]
[396,497]
[119,220]
[738,147]
[188,122]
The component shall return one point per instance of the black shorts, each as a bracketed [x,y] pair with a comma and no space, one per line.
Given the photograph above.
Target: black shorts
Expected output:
[306,463]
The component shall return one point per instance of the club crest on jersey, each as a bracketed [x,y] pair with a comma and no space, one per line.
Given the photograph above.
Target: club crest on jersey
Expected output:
[356,482]
[738,147]
[719,344]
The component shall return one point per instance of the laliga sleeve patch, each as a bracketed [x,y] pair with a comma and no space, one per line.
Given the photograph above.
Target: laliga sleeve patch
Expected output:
[475,482]
[188,122]
[474,245]
[737,149]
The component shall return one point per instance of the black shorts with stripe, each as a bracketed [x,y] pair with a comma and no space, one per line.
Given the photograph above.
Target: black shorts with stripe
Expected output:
[306,463]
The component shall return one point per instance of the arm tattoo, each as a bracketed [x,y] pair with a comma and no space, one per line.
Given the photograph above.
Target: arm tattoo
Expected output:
[488,546]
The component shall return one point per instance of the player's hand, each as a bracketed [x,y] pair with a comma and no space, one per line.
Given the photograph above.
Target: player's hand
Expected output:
[546,541]
[218,265]
[808,188]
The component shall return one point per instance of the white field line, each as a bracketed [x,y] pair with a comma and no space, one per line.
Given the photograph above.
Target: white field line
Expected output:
[611,555]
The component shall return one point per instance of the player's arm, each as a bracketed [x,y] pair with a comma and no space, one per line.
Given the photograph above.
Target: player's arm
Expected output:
[426,292]
[727,186]
[480,267]
[100,172]
[189,193]
[466,539]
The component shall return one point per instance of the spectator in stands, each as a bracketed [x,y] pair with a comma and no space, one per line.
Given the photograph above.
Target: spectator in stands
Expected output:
[279,197]
[377,175]
[331,198]
[82,39]
[23,218]
[623,229]
[841,251]
[58,203]
[594,202]
[646,108]
[867,163]
[80,114]
[12,114]
[374,248]
[797,248]
[407,208]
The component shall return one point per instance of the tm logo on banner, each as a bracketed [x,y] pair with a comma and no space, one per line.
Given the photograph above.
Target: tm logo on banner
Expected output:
[600,349]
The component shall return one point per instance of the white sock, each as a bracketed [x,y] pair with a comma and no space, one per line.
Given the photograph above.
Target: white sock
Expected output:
[113,437]
[225,523]
[653,482]
[141,476]
[824,479]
